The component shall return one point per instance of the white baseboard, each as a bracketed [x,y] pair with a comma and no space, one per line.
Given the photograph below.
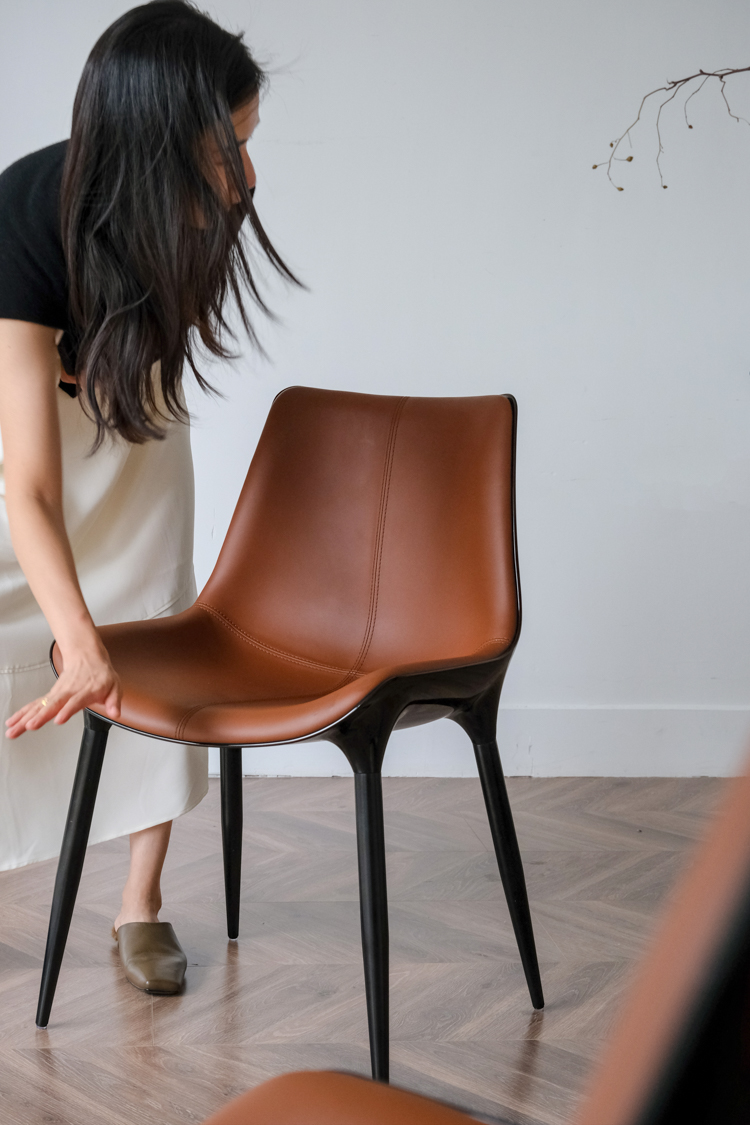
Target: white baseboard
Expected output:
[545,742]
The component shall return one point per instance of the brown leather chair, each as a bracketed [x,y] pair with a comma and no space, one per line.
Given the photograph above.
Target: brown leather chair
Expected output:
[368,580]
[680,1050]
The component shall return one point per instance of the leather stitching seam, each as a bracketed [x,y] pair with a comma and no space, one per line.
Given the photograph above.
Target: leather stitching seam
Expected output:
[269,649]
[379,541]
[180,729]
[181,726]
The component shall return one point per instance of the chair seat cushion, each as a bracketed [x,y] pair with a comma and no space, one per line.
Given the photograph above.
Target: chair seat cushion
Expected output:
[197,677]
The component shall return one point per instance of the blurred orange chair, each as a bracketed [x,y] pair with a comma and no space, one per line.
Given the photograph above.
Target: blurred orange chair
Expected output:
[331,1098]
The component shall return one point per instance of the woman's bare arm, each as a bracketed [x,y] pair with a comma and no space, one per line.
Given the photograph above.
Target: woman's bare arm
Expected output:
[29,373]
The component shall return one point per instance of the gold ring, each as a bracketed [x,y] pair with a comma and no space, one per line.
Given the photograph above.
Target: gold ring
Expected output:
[44,701]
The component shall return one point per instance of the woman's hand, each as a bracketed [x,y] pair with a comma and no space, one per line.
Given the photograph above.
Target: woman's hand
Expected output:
[88,679]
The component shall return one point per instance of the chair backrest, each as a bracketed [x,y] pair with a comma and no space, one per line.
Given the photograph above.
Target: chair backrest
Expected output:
[374,530]
[680,1051]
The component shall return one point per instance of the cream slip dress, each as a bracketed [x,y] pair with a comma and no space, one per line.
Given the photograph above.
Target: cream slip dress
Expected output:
[129,515]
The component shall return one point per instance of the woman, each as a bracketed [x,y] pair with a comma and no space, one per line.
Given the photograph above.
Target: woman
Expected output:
[118,249]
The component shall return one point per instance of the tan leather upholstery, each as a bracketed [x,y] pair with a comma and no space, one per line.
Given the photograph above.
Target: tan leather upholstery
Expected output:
[328,1098]
[373,536]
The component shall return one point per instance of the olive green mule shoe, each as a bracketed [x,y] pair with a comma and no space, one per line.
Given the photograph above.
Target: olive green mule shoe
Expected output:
[152,957]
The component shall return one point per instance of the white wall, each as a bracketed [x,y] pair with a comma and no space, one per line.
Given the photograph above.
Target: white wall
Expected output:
[426,166]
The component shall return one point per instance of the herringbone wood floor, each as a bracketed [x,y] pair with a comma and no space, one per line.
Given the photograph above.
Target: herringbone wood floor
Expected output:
[600,856]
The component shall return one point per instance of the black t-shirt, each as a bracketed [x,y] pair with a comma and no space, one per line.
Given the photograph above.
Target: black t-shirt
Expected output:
[33,273]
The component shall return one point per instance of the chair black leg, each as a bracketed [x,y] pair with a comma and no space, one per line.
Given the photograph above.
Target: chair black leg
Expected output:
[509,861]
[70,864]
[231,832]
[373,906]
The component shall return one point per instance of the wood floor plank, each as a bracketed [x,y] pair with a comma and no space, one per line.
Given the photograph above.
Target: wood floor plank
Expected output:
[601,855]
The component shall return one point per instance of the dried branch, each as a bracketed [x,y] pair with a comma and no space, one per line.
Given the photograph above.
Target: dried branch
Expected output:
[672,89]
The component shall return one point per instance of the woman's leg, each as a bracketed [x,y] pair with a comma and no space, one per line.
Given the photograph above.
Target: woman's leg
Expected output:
[141,895]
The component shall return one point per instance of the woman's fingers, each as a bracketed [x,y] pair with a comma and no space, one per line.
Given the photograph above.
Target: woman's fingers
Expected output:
[63,702]
[88,680]
[48,713]
[73,705]
[106,696]
[21,722]
[112,702]
[18,715]
[26,710]
[44,709]
[22,719]
[36,715]
[18,726]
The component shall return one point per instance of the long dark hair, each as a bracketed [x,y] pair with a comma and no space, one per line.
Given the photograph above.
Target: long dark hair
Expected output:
[152,249]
